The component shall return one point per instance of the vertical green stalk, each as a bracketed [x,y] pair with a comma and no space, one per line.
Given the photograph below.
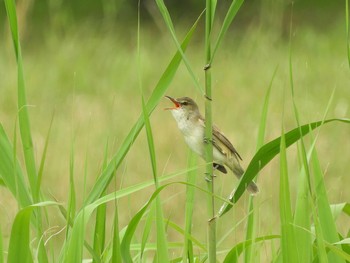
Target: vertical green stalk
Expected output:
[209,136]
[23,115]
[253,213]
[189,208]
[1,248]
[347,29]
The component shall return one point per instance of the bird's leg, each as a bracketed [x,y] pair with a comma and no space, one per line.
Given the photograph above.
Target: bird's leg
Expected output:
[216,166]
[209,177]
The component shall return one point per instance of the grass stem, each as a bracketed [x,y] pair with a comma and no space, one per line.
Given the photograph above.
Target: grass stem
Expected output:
[208,136]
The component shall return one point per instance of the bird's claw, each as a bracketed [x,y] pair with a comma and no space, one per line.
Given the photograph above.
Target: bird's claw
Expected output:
[209,177]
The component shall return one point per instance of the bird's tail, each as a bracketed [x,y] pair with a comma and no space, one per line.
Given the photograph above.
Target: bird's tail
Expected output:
[238,171]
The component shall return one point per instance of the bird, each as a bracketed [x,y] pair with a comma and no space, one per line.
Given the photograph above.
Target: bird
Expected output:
[192,126]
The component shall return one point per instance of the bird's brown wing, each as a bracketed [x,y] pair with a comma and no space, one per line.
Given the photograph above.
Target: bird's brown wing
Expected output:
[219,141]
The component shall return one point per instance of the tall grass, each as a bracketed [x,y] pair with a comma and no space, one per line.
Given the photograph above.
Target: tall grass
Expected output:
[308,230]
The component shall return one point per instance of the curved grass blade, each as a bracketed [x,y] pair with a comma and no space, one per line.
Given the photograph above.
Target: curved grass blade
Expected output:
[253,214]
[19,247]
[288,241]
[167,19]
[126,242]
[116,253]
[72,250]
[100,222]
[146,231]
[159,91]
[190,237]
[129,233]
[42,163]
[336,250]
[338,208]
[231,13]
[162,244]
[266,153]
[236,251]
[11,172]
[327,224]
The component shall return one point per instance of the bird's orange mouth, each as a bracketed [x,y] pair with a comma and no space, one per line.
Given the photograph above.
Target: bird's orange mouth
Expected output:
[176,103]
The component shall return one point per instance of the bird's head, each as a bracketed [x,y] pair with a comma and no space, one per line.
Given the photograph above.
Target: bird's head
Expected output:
[185,104]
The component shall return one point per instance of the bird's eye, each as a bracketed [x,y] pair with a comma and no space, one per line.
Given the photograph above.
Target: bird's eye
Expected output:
[185,103]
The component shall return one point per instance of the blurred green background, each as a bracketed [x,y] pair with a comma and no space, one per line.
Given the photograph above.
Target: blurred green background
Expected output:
[80,64]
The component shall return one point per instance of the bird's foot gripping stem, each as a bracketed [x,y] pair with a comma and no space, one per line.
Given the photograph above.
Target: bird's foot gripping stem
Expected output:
[209,177]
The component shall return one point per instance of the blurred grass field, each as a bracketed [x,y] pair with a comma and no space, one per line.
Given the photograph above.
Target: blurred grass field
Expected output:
[85,79]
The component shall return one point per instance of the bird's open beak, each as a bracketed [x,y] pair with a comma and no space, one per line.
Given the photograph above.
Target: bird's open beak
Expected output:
[176,103]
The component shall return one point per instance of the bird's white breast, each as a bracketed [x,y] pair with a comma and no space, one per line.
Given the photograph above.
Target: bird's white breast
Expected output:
[193,132]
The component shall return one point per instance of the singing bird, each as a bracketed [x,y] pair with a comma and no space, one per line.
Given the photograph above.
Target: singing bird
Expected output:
[192,125]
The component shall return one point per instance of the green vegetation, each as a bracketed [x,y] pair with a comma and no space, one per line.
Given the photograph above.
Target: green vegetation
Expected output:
[92,168]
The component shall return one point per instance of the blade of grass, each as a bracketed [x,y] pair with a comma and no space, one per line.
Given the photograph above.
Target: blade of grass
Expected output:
[339,252]
[320,242]
[336,209]
[347,29]
[213,9]
[133,223]
[11,172]
[253,214]
[75,241]
[236,251]
[156,209]
[167,19]
[159,91]
[190,237]
[302,217]
[42,163]
[126,242]
[325,225]
[116,255]
[23,115]
[147,230]
[267,152]
[162,244]
[211,234]
[302,210]
[231,13]
[42,255]
[288,241]
[100,225]
[189,206]
[1,248]
[19,240]
[324,214]
[19,246]
[72,195]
